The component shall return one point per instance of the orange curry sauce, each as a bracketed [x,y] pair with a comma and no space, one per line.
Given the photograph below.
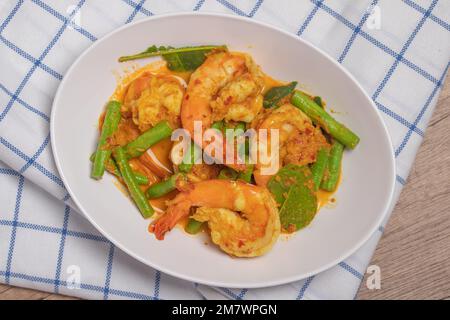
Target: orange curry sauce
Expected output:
[156,165]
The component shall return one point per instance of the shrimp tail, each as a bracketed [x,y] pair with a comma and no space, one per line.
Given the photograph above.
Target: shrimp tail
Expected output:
[166,222]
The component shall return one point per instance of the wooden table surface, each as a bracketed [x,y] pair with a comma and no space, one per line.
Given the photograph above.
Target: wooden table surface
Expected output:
[414,252]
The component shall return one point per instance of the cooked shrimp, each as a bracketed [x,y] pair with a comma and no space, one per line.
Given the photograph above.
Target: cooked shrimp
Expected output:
[227,86]
[243,218]
[299,139]
[203,171]
[239,100]
[151,98]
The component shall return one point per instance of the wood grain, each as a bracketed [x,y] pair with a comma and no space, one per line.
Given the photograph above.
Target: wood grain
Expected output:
[414,252]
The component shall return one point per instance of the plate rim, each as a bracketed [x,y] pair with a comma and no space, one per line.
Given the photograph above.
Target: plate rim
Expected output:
[219,283]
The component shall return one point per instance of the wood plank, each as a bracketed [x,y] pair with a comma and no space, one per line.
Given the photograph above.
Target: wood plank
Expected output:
[60,297]
[16,293]
[3,288]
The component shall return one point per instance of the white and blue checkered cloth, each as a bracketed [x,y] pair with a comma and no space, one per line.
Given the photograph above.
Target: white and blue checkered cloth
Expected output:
[398,50]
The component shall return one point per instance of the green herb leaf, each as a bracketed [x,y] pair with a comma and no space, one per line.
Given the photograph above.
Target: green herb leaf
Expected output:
[285,178]
[275,94]
[292,188]
[187,59]
[299,208]
[152,51]
[178,59]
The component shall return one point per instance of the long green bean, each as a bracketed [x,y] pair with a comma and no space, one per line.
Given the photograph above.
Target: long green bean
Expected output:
[247,174]
[110,124]
[188,160]
[241,126]
[331,177]
[111,167]
[218,125]
[164,187]
[228,173]
[319,167]
[130,180]
[319,116]
[193,226]
[318,101]
[139,145]
[141,179]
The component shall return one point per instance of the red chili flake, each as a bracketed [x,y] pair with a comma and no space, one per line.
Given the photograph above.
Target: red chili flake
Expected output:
[308,131]
[228,100]
[291,228]
[197,81]
[186,97]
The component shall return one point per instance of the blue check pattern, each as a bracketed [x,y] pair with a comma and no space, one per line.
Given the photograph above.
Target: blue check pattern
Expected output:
[402,66]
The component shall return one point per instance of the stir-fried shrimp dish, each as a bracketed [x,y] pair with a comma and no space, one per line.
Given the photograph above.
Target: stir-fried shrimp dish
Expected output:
[205,140]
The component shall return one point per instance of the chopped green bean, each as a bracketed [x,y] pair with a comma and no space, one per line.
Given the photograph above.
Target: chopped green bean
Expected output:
[164,187]
[319,116]
[185,167]
[247,174]
[319,167]
[141,179]
[110,125]
[130,180]
[111,167]
[188,160]
[241,126]
[228,173]
[318,101]
[331,177]
[243,146]
[142,143]
[193,226]
[218,125]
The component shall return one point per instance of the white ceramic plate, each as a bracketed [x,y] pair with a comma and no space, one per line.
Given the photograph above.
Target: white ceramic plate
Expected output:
[368,172]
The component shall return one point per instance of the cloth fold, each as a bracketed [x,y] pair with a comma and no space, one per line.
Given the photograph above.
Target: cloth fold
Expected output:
[398,50]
